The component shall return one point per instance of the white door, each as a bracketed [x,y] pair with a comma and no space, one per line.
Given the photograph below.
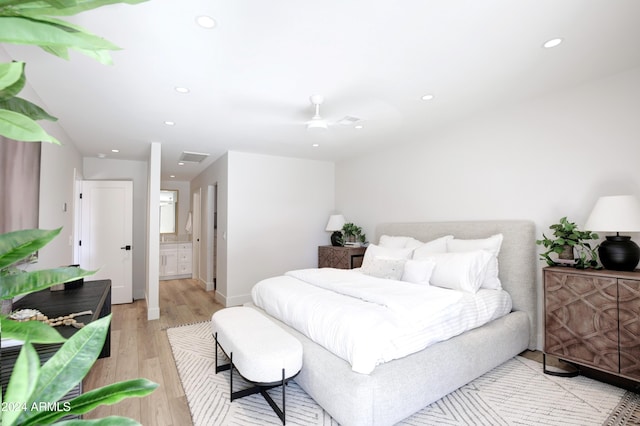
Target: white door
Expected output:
[107,234]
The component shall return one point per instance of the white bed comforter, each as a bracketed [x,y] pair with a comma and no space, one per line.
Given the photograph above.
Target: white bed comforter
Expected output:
[366,320]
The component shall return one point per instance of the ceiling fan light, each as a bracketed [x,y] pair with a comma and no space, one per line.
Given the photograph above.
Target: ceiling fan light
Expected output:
[317,124]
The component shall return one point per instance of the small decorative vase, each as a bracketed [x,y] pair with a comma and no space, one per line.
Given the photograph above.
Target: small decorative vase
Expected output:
[566,253]
[7,307]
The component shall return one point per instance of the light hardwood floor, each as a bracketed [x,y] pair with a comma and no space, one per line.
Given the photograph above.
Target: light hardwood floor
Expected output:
[140,348]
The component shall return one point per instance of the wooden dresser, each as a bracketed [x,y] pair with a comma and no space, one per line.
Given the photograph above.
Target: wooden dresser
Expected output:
[92,295]
[592,318]
[340,257]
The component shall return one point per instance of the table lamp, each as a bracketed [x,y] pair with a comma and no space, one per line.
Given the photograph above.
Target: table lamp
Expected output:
[619,213]
[335,224]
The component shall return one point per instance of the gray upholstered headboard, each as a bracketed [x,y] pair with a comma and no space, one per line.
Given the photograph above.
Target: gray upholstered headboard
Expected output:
[517,258]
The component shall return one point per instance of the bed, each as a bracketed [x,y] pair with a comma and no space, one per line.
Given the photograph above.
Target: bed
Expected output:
[397,388]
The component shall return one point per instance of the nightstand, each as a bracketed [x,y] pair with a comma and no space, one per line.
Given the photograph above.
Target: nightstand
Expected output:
[592,318]
[340,257]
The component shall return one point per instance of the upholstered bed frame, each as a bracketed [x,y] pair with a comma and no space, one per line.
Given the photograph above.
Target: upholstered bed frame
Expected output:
[397,389]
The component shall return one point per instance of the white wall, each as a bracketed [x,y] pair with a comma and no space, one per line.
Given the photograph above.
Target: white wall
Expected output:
[215,174]
[541,160]
[60,165]
[272,211]
[111,169]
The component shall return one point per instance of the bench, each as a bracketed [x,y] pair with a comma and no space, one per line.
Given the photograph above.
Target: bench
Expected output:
[260,351]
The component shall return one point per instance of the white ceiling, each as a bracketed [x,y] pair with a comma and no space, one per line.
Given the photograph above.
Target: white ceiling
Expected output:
[251,76]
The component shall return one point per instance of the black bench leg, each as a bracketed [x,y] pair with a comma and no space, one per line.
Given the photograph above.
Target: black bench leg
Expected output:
[256,389]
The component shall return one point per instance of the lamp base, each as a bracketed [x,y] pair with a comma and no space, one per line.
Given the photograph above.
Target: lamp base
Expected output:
[619,253]
[336,239]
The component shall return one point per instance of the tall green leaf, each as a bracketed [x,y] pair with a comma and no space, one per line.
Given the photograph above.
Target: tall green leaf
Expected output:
[44,31]
[24,107]
[106,395]
[38,8]
[11,79]
[18,245]
[30,331]
[18,283]
[69,365]
[22,383]
[107,421]
[18,127]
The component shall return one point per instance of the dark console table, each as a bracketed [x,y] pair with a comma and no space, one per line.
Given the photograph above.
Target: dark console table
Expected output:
[92,295]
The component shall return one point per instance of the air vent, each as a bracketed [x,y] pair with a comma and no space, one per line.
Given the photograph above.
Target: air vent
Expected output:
[193,157]
[348,121]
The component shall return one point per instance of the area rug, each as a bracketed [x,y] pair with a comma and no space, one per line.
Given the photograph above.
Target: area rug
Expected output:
[514,393]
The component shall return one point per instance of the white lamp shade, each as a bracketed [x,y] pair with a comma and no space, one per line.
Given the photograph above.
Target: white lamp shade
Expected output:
[336,222]
[618,213]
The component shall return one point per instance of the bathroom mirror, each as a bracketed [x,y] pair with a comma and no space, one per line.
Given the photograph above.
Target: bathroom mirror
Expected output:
[168,211]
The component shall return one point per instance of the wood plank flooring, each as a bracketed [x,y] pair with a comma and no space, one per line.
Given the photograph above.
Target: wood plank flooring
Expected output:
[140,348]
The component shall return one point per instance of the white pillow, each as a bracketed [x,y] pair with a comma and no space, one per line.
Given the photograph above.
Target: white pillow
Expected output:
[392,241]
[398,242]
[381,267]
[418,271]
[491,280]
[374,251]
[439,245]
[492,244]
[460,271]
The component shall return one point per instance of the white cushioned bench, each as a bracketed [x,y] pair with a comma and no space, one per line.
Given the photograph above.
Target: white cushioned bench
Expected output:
[258,349]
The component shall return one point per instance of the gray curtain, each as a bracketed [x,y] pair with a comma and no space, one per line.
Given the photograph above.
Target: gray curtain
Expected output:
[19,184]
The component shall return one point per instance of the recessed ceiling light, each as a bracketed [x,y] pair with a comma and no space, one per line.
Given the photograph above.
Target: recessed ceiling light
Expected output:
[182,89]
[172,176]
[315,145]
[206,21]
[170,123]
[101,155]
[359,126]
[115,150]
[427,97]
[552,43]
[180,163]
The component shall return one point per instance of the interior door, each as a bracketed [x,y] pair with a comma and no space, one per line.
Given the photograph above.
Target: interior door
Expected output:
[107,234]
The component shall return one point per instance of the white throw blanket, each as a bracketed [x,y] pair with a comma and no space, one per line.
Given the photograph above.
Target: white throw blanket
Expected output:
[409,304]
[366,320]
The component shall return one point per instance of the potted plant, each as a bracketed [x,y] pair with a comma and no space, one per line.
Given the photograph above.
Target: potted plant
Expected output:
[31,385]
[569,244]
[352,234]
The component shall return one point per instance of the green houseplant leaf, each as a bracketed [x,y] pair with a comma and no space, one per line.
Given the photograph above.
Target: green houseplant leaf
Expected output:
[18,245]
[23,381]
[31,331]
[46,32]
[32,22]
[11,79]
[107,421]
[63,8]
[19,127]
[106,395]
[567,233]
[69,365]
[27,108]
[18,283]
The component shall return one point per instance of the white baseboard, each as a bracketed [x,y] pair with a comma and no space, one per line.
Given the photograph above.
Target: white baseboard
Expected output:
[153,313]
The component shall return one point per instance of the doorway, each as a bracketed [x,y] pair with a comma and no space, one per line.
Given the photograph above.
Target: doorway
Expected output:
[106,234]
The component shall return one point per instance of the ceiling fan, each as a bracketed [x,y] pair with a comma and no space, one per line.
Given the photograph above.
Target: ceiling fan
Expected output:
[319,123]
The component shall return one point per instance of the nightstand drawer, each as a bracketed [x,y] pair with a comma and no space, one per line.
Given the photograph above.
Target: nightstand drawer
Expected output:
[340,257]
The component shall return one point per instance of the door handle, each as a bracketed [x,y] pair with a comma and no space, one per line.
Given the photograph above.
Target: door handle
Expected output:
[125,248]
